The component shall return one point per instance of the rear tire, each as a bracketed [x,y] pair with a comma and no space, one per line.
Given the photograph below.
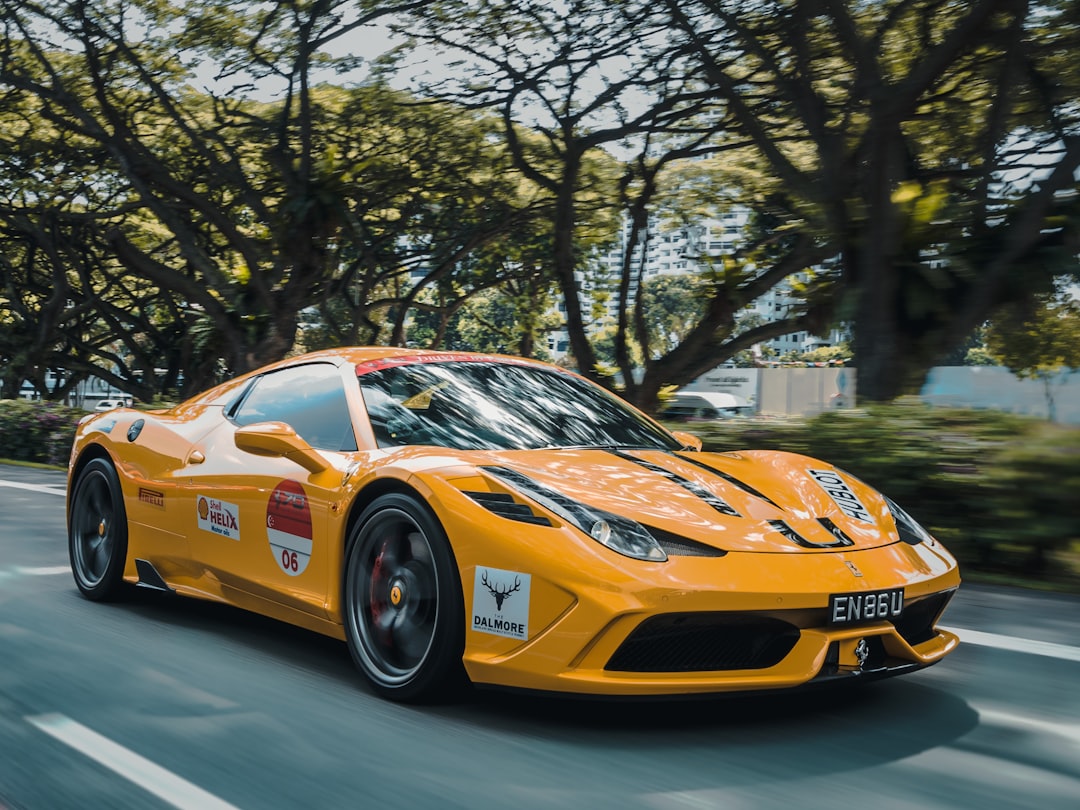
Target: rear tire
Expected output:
[403,606]
[98,532]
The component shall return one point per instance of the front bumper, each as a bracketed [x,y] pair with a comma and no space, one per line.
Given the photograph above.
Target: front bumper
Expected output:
[731,634]
[588,616]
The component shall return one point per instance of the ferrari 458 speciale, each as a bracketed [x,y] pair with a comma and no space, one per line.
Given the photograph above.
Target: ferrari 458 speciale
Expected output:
[464,518]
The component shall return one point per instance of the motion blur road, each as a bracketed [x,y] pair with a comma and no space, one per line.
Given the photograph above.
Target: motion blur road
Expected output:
[163,702]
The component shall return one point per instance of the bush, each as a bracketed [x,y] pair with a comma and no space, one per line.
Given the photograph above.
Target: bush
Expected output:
[998,489]
[37,431]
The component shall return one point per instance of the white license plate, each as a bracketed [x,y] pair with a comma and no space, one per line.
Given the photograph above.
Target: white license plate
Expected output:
[866,606]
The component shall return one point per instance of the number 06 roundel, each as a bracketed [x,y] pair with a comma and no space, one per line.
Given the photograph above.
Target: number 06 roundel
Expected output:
[288,527]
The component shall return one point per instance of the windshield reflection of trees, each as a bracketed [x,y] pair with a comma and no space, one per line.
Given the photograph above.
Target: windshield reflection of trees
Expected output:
[493,406]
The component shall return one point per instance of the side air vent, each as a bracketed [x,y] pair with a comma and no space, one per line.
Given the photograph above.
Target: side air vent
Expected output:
[799,540]
[677,546]
[505,506]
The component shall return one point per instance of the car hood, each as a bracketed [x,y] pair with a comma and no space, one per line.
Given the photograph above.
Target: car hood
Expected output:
[764,501]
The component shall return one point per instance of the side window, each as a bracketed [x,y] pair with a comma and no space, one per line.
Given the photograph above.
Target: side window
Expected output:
[309,398]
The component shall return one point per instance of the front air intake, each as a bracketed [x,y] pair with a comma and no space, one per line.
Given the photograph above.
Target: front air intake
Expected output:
[916,623]
[704,642]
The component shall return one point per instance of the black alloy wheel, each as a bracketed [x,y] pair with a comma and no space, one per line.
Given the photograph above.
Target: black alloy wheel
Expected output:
[404,611]
[97,532]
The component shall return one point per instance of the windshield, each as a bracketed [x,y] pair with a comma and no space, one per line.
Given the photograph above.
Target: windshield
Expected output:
[497,405]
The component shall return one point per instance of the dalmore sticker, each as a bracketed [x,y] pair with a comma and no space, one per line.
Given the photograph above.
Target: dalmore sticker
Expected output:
[501,602]
[840,492]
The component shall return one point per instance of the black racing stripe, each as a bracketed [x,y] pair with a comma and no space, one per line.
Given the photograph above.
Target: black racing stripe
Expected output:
[731,479]
[717,503]
[796,538]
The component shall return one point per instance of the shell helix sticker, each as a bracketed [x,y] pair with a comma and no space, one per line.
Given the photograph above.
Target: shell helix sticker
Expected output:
[288,527]
[840,492]
[219,517]
[501,602]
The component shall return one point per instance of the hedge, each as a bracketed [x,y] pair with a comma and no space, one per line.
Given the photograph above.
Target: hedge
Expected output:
[37,431]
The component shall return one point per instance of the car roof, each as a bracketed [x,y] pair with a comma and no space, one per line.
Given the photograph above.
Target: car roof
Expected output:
[350,355]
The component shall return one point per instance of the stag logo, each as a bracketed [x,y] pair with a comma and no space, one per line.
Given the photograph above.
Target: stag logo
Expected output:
[499,592]
[492,609]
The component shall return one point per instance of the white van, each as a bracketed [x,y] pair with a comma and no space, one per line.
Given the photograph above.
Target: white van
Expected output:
[703,406]
[109,404]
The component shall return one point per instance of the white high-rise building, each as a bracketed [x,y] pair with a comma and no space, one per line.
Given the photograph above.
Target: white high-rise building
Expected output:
[673,250]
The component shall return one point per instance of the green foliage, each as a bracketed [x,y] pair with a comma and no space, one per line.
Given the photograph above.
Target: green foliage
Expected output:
[998,489]
[673,305]
[1039,338]
[161,219]
[832,355]
[510,319]
[37,431]
[979,356]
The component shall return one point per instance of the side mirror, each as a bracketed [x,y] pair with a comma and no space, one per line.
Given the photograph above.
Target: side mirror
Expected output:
[279,440]
[689,440]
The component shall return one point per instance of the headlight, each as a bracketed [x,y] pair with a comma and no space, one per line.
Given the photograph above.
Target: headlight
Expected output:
[620,534]
[910,530]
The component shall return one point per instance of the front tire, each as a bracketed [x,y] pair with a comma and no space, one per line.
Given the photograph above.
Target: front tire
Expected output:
[98,532]
[404,611]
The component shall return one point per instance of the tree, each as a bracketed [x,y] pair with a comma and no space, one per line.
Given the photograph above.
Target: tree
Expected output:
[1038,340]
[235,213]
[512,315]
[926,143]
[63,306]
[672,306]
[585,78]
[438,214]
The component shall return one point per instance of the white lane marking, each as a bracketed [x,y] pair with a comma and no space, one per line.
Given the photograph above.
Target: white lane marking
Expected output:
[1070,731]
[1021,645]
[42,570]
[164,784]
[33,571]
[48,489]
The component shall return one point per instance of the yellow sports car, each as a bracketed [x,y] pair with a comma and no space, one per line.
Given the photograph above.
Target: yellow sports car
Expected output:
[467,517]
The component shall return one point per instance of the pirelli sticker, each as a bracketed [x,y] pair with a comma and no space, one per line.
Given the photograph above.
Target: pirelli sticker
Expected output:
[152,497]
[842,494]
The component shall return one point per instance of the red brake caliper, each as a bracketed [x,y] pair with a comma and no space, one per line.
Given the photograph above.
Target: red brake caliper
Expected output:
[376,600]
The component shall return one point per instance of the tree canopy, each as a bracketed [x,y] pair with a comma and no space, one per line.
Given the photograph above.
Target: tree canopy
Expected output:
[201,223]
[195,189]
[932,145]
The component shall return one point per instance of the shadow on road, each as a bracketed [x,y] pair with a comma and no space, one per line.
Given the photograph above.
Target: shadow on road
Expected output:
[789,735]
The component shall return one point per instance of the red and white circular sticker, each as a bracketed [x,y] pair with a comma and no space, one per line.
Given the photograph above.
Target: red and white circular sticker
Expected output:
[288,527]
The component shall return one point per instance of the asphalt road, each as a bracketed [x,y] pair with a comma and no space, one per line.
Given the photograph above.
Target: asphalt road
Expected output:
[163,702]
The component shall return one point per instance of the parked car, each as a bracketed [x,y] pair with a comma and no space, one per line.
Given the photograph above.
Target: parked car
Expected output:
[111,404]
[705,406]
